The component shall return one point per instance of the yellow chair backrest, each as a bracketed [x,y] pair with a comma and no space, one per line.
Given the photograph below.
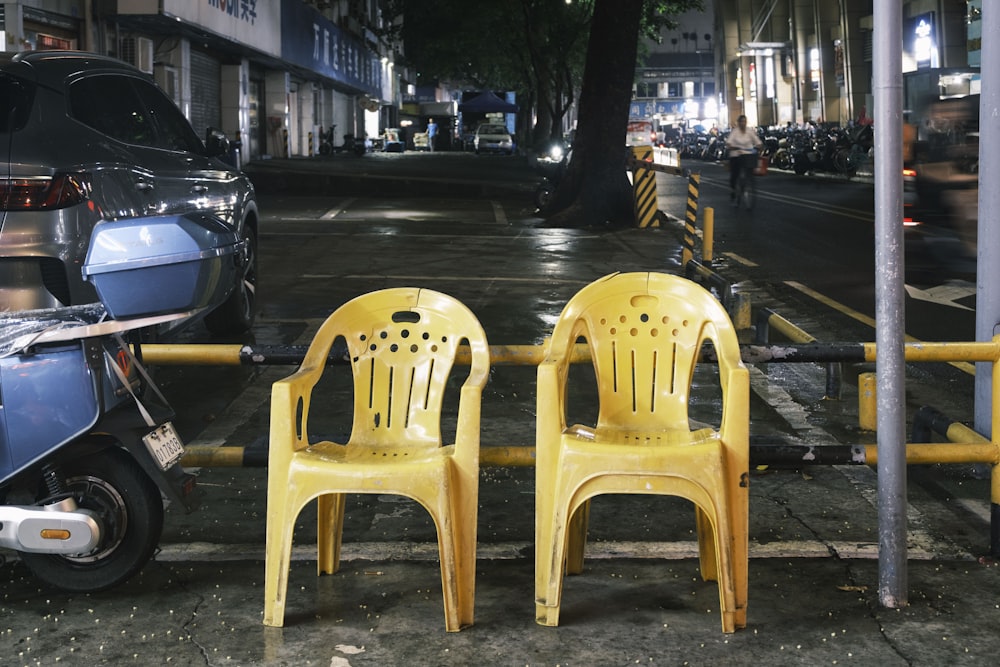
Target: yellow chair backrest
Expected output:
[401,359]
[645,346]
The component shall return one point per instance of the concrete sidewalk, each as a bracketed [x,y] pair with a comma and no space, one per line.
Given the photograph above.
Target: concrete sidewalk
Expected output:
[814,573]
[813,588]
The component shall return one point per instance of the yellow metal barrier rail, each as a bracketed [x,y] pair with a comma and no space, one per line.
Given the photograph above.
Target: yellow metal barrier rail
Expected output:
[965,445]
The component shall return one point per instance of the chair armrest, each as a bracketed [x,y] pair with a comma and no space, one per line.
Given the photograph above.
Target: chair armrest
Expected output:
[735,426]
[550,413]
[469,417]
[290,404]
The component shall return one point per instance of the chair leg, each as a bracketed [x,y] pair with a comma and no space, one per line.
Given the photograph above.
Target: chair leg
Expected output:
[277,557]
[465,514]
[447,539]
[577,538]
[727,575]
[329,531]
[550,563]
[741,556]
[706,545]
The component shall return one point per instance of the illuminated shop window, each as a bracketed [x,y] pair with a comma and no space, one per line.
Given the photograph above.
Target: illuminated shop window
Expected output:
[814,68]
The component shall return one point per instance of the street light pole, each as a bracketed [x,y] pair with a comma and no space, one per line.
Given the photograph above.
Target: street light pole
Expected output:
[889,303]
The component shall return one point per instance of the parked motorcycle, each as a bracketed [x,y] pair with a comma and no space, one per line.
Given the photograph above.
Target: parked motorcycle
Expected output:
[353,144]
[86,445]
[551,163]
[326,140]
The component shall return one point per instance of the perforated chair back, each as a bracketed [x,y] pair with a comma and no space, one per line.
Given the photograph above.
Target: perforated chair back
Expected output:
[401,361]
[645,331]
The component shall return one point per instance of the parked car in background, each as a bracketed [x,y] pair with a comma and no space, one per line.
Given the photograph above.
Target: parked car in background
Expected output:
[89,140]
[493,138]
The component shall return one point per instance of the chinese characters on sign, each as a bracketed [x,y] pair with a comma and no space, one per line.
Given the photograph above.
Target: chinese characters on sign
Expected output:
[243,10]
[312,41]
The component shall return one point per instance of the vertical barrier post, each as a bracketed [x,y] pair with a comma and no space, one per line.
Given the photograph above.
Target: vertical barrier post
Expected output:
[867,412]
[707,235]
[644,187]
[995,510]
[994,466]
[741,311]
[694,181]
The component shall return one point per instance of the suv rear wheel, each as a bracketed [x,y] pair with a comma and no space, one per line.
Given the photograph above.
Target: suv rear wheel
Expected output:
[237,314]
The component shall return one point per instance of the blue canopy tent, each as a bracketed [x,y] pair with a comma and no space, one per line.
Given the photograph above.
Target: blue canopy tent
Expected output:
[474,109]
[487,102]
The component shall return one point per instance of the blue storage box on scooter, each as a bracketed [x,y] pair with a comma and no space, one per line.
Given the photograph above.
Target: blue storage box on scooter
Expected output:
[54,392]
[163,264]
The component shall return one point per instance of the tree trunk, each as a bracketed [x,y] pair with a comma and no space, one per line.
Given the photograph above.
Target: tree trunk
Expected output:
[595,190]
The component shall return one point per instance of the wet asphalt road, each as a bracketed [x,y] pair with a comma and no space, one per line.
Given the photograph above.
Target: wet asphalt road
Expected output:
[814,569]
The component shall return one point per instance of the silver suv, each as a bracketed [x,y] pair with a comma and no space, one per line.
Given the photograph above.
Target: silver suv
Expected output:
[88,139]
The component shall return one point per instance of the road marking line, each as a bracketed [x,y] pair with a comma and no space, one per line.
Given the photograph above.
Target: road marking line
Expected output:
[334,212]
[836,305]
[428,551]
[740,259]
[499,213]
[945,295]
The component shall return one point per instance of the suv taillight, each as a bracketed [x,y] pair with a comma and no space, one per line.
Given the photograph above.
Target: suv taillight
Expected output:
[44,193]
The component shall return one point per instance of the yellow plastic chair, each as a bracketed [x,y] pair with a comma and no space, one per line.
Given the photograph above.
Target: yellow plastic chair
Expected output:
[402,344]
[644,331]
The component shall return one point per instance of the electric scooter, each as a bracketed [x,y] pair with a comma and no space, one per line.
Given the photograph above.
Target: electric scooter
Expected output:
[87,449]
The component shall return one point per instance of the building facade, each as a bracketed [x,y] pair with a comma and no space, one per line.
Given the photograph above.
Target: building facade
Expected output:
[675,82]
[271,73]
[792,61]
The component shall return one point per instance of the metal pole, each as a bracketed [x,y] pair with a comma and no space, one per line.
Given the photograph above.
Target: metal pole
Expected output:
[988,242]
[889,302]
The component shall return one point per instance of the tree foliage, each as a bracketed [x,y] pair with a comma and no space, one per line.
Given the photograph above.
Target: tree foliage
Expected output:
[532,47]
[552,53]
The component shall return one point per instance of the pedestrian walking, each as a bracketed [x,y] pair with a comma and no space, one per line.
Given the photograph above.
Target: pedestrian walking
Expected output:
[740,143]
[432,131]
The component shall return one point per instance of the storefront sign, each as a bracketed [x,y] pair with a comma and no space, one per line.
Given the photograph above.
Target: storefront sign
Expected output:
[250,22]
[314,42]
[650,108]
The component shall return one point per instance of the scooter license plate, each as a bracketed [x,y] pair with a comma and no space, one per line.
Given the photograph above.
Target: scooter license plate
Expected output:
[165,445]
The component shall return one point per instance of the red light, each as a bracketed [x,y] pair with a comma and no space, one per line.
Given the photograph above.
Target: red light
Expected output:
[44,194]
[910,172]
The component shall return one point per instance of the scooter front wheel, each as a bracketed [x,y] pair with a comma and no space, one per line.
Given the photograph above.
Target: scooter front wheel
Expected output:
[130,509]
